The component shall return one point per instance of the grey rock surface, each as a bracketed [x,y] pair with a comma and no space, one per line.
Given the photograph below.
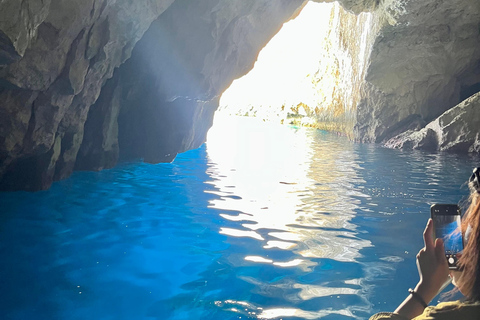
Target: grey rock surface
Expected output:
[455,130]
[61,54]
[425,60]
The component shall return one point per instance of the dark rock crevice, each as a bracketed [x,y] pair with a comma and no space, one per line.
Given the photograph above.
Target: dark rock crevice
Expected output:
[7,51]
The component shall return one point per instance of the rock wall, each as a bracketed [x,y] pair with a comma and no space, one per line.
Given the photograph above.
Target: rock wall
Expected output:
[169,89]
[396,68]
[425,60]
[323,89]
[341,70]
[56,55]
[391,70]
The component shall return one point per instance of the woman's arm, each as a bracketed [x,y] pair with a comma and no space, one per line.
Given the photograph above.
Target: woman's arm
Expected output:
[433,270]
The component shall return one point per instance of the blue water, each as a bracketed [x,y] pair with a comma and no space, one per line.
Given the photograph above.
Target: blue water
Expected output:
[262,222]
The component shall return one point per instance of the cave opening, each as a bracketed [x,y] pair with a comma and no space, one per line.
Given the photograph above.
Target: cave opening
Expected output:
[282,75]
[308,74]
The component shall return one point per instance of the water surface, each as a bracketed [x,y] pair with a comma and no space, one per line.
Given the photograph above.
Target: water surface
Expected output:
[262,222]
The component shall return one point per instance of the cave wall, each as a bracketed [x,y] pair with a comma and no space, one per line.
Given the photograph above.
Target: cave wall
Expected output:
[55,57]
[422,59]
[425,59]
[338,79]
[84,82]
[170,87]
[456,130]
[67,104]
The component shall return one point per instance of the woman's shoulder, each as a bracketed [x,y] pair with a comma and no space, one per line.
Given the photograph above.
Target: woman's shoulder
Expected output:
[458,310]
[446,310]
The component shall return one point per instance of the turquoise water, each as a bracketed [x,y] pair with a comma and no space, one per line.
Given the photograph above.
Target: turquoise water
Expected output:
[262,222]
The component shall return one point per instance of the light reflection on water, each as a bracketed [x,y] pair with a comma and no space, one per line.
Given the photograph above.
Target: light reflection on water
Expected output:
[299,191]
[265,222]
[298,197]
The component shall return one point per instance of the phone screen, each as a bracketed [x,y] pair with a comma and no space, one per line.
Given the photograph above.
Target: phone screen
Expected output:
[447,226]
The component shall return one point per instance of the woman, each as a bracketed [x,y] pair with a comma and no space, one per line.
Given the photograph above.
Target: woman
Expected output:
[434,273]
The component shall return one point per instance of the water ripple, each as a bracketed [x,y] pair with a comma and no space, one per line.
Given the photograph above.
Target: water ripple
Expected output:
[264,222]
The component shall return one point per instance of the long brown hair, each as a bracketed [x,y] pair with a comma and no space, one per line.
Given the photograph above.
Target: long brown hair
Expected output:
[469,262]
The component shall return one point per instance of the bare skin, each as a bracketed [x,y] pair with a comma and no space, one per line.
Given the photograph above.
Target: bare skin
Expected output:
[457,281]
[433,271]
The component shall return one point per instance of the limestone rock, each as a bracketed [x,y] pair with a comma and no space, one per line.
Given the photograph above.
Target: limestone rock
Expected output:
[425,60]
[456,130]
[341,69]
[59,54]
[355,6]
[58,58]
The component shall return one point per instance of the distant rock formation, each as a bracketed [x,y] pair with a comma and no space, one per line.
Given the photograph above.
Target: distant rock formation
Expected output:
[83,83]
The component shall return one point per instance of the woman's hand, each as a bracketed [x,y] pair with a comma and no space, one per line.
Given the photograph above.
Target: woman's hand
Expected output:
[433,270]
[432,265]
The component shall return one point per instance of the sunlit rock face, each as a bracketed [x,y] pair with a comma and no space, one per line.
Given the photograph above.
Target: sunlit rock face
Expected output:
[424,61]
[311,73]
[387,67]
[341,70]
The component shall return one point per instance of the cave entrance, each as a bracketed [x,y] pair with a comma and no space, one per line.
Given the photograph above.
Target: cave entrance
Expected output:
[283,77]
[309,74]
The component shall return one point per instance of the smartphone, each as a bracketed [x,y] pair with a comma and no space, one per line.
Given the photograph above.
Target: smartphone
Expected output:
[446,222]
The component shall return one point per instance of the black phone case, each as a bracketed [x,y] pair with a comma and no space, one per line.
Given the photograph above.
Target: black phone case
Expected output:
[446,210]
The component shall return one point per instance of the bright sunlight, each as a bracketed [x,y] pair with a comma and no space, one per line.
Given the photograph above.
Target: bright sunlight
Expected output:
[282,73]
